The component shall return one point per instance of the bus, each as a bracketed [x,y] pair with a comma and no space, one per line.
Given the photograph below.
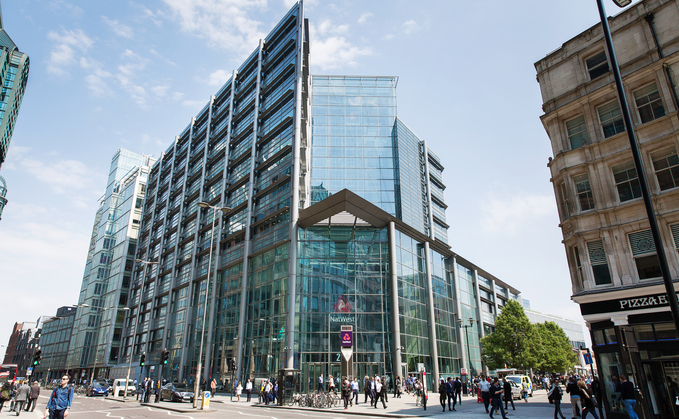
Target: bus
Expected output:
[8,372]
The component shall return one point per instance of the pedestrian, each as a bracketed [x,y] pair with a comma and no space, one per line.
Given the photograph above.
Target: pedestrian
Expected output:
[33,397]
[380,392]
[576,403]
[450,390]
[367,385]
[331,383]
[627,393]
[267,391]
[588,402]
[147,389]
[457,387]
[397,387]
[22,396]
[354,391]
[417,387]
[5,394]
[213,386]
[509,398]
[142,390]
[373,391]
[495,391]
[346,392]
[554,396]
[274,390]
[443,393]
[60,401]
[248,390]
[239,390]
[409,383]
[525,387]
[484,386]
[320,383]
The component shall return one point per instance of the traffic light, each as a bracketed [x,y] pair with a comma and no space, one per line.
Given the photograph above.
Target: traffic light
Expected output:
[166,356]
[36,358]
[142,360]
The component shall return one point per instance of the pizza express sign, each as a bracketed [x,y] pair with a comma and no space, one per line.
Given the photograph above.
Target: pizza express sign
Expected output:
[637,303]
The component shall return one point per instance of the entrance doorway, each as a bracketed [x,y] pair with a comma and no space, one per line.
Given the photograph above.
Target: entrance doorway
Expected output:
[370,369]
[312,371]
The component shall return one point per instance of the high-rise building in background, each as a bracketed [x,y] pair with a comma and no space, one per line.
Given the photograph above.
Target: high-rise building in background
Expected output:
[13,76]
[22,345]
[98,324]
[614,268]
[335,217]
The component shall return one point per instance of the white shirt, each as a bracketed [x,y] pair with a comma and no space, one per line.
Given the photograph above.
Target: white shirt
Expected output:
[484,385]
[378,387]
[248,386]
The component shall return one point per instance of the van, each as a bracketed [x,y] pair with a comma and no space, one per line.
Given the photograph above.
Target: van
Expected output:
[523,381]
[119,387]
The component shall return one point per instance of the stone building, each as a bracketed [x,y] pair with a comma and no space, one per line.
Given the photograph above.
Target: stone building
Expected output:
[613,264]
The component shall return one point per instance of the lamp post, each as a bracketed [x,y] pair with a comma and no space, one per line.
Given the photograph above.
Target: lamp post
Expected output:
[136,321]
[638,165]
[469,356]
[196,386]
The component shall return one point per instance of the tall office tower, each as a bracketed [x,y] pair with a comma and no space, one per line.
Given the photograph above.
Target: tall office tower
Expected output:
[13,76]
[335,217]
[615,272]
[97,329]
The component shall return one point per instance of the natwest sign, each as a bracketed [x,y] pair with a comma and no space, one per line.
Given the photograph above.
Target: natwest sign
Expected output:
[347,337]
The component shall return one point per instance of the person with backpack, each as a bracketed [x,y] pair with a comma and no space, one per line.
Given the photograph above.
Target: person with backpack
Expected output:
[60,401]
[346,392]
[554,396]
[5,394]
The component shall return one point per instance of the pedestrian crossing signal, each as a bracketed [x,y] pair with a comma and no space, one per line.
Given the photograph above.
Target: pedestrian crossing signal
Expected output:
[142,361]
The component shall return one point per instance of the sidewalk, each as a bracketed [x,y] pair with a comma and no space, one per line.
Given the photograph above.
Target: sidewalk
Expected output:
[537,407]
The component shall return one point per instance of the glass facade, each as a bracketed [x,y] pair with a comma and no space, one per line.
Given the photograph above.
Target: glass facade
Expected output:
[97,329]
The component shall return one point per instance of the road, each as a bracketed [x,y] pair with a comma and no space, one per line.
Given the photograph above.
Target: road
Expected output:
[99,408]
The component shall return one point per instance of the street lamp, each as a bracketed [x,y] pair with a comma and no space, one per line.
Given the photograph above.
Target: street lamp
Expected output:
[146,263]
[196,386]
[469,356]
[638,165]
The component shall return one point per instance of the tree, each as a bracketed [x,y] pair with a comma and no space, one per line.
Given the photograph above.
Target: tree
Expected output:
[511,343]
[555,349]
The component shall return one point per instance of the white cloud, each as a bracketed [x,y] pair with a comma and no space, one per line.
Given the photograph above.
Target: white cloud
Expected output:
[326,27]
[194,103]
[219,77]
[410,26]
[119,28]
[509,212]
[336,52]
[364,17]
[224,23]
[63,54]
[388,37]
[95,81]
[59,5]
[160,90]
[61,175]
[128,73]
[177,96]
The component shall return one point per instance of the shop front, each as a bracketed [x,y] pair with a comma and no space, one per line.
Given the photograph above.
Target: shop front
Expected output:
[635,337]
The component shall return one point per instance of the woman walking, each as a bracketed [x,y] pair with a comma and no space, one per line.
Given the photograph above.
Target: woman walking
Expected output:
[397,387]
[589,405]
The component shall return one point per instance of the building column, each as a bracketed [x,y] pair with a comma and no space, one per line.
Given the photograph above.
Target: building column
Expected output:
[294,200]
[462,338]
[248,220]
[396,326]
[432,319]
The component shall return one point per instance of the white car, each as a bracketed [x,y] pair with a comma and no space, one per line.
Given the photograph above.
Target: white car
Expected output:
[119,387]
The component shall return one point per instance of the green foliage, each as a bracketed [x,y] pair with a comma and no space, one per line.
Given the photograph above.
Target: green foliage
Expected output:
[516,343]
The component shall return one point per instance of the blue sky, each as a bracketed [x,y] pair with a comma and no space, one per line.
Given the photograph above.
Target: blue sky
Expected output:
[109,74]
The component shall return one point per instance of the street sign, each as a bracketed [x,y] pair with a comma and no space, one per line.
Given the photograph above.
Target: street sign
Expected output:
[420,367]
[28,373]
[347,337]
[588,358]
[463,371]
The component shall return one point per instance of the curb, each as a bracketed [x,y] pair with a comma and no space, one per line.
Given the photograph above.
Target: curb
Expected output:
[343,412]
[121,400]
[177,409]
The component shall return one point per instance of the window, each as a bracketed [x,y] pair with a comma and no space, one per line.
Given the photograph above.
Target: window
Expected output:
[578,265]
[597,258]
[666,167]
[645,257]
[611,119]
[597,65]
[584,191]
[648,103]
[627,181]
[577,132]
[565,205]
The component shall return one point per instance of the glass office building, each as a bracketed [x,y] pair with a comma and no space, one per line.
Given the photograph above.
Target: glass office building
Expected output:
[336,217]
[98,324]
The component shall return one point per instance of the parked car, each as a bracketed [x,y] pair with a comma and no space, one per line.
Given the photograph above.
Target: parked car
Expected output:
[119,387]
[176,393]
[97,389]
[523,381]
[516,389]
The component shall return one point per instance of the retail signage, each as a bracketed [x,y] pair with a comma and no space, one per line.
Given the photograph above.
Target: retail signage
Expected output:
[342,318]
[625,304]
[347,337]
